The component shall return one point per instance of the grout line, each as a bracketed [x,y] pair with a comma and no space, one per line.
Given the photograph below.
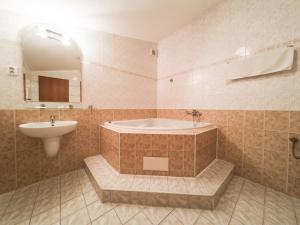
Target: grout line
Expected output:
[34,204]
[288,153]
[171,212]
[118,215]
[128,73]
[59,199]
[15,147]
[295,212]
[264,210]
[237,201]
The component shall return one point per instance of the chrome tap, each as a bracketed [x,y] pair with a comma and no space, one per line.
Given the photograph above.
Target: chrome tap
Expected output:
[52,120]
[194,113]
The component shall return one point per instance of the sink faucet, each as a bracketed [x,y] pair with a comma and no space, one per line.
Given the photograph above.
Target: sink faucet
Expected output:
[194,113]
[52,120]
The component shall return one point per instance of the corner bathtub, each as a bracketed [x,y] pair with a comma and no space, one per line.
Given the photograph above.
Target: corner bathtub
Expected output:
[156,125]
[158,146]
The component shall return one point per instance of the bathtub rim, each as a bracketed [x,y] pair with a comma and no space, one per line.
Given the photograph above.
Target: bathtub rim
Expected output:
[186,131]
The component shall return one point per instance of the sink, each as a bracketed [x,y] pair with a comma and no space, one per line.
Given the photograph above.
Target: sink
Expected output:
[50,134]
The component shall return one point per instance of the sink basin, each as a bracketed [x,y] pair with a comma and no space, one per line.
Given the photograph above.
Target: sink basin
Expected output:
[45,130]
[50,135]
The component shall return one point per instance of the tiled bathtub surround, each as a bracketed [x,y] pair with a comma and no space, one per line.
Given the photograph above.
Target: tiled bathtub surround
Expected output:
[23,160]
[188,154]
[257,142]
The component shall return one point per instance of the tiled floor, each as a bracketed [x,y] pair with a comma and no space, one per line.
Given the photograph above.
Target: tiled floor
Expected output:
[71,200]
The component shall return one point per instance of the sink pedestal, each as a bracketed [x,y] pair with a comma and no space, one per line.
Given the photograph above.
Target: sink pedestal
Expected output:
[49,133]
[51,145]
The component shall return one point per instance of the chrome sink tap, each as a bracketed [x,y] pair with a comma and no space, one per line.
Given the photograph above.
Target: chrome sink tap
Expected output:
[195,113]
[52,120]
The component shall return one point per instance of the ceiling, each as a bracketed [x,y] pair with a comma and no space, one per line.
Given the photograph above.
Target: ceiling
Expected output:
[149,20]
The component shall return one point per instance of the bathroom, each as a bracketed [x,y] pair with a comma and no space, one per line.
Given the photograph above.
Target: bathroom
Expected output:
[150,112]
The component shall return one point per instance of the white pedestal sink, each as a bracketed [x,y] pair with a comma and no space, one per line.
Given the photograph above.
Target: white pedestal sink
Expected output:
[50,135]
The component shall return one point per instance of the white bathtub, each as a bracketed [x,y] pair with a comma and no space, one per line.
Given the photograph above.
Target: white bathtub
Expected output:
[156,124]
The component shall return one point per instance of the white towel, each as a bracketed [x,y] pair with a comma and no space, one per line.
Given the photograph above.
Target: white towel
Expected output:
[272,61]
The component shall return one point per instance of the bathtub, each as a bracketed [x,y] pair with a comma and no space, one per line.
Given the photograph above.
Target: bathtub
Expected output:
[158,146]
[156,124]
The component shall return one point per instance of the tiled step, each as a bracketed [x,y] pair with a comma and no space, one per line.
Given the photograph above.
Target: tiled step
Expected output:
[202,191]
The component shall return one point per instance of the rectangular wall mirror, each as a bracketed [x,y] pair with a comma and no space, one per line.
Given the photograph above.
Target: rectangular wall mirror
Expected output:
[51,65]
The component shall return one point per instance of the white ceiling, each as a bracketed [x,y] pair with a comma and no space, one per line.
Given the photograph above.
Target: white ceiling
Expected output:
[142,19]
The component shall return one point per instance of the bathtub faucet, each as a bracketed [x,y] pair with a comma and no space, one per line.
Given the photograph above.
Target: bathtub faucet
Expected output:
[194,113]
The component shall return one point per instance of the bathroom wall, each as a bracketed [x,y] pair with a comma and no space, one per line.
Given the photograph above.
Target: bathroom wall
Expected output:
[119,80]
[23,160]
[118,72]
[196,57]
[257,142]
[255,117]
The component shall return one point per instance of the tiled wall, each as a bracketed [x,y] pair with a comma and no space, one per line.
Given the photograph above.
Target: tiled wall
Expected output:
[205,149]
[23,160]
[196,58]
[187,155]
[110,147]
[257,142]
[117,72]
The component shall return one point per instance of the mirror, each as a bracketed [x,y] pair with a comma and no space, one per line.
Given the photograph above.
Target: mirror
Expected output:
[51,65]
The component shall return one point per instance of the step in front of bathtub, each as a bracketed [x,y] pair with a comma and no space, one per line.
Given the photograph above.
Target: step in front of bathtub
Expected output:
[202,191]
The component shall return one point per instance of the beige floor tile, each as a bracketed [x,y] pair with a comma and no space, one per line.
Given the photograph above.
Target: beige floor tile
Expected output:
[19,203]
[46,204]
[247,212]
[86,186]
[139,219]
[242,204]
[5,198]
[81,174]
[156,214]
[98,208]
[3,207]
[125,211]
[233,189]
[276,216]
[47,218]
[186,216]
[16,216]
[109,218]
[90,197]
[26,222]
[254,191]
[48,192]
[296,202]
[68,194]
[72,206]
[50,183]
[171,220]
[30,191]
[275,199]
[221,214]
[203,221]
[80,217]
